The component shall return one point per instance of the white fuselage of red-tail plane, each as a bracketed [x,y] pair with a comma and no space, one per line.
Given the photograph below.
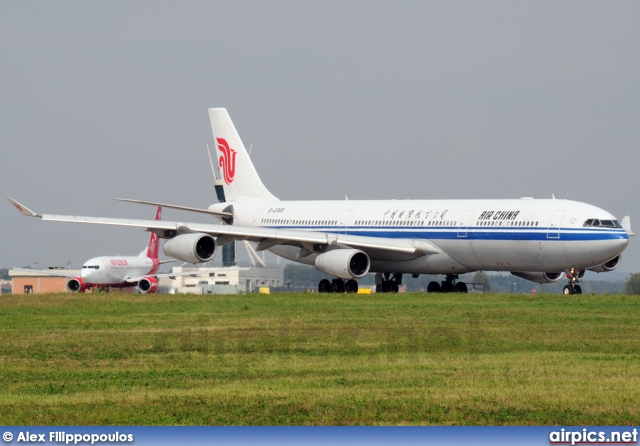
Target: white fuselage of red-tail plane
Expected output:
[113,272]
[539,240]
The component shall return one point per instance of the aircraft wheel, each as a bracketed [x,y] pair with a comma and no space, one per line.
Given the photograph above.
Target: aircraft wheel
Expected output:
[568,289]
[378,288]
[324,286]
[433,287]
[337,286]
[394,286]
[351,286]
[461,287]
[446,287]
[577,289]
[386,286]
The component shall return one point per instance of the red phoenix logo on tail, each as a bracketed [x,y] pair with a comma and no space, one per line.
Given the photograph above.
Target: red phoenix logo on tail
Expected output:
[227,161]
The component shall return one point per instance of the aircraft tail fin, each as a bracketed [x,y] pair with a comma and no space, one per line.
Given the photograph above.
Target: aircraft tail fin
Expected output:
[153,248]
[240,178]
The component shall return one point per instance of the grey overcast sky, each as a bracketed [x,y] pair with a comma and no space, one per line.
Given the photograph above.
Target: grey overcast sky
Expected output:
[369,99]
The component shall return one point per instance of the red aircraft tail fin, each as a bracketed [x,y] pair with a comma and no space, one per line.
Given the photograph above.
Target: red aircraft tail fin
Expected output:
[153,248]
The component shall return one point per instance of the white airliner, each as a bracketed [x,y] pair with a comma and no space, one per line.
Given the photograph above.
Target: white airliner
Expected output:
[539,240]
[102,273]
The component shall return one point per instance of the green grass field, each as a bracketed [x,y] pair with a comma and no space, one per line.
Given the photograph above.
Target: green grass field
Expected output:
[300,359]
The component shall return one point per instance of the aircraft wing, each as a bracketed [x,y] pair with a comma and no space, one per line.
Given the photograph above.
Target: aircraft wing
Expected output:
[181,208]
[46,272]
[136,279]
[265,237]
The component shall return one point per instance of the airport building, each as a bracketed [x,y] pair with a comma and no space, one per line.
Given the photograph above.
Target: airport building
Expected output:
[5,286]
[220,280]
[226,280]
[23,282]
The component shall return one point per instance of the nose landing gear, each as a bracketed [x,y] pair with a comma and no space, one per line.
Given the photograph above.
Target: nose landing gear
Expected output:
[574,275]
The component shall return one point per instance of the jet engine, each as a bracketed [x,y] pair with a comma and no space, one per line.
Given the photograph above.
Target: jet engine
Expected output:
[76,285]
[344,263]
[194,247]
[607,266]
[539,277]
[148,285]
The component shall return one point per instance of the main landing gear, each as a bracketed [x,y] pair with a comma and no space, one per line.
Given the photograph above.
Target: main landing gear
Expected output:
[574,277]
[385,283]
[388,283]
[448,285]
[338,286]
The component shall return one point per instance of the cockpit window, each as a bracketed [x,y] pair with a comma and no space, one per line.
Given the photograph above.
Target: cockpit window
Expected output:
[595,223]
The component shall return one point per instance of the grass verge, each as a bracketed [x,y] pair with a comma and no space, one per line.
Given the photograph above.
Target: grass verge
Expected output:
[298,359]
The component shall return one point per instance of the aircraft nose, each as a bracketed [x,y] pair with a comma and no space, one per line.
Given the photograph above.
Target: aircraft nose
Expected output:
[620,244]
[614,247]
[86,274]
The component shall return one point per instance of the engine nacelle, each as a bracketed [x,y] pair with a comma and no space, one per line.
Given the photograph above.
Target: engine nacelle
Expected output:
[344,263]
[148,285]
[192,248]
[76,285]
[607,266]
[539,277]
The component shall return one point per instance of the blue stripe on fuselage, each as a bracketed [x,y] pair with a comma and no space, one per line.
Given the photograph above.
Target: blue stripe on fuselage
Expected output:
[472,233]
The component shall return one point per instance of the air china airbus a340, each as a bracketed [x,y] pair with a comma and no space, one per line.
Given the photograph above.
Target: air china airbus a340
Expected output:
[106,272]
[539,240]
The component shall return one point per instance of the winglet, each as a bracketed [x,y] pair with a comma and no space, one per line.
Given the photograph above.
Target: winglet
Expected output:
[626,225]
[23,209]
